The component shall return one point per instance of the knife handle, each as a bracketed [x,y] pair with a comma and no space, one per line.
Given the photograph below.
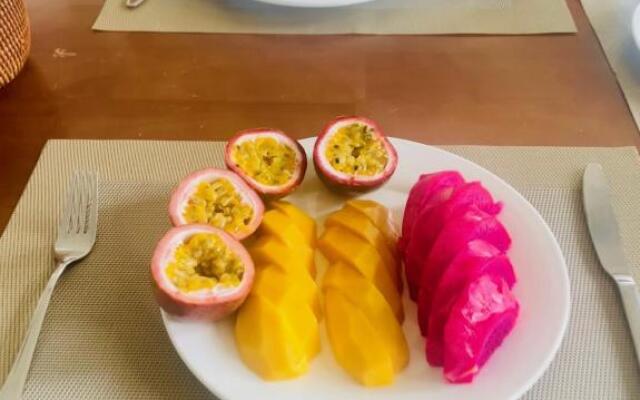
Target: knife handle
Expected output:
[631,302]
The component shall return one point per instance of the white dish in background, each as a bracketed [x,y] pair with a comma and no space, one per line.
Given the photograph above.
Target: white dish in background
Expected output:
[208,349]
[314,3]
[635,26]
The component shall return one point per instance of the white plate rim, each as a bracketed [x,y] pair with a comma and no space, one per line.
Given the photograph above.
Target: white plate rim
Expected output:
[635,26]
[314,3]
[560,334]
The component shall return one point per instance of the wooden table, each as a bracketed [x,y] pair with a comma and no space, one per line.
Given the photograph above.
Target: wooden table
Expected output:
[501,90]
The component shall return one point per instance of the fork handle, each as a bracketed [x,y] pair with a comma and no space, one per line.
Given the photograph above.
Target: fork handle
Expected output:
[14,385]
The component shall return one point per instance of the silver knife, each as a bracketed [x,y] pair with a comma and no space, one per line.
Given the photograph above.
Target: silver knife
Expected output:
[133,3]
[605,235]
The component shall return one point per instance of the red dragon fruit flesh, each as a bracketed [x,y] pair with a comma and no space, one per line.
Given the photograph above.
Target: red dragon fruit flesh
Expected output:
[428,192]
[430,221]
[416,248]
[484,314]
[469,194]
[473,224]
[478,258]
[421,195]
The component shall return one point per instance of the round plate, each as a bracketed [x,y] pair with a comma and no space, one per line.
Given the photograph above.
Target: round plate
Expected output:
[208,349]
[314,3]
[635,25]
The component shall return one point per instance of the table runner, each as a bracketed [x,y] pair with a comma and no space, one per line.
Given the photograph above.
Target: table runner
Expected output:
[103,337]
[378,17]
[612,22]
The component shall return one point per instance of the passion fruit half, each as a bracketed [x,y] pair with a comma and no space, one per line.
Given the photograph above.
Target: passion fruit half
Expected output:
[352,154]
[269,161]
[201,272]
[219,198]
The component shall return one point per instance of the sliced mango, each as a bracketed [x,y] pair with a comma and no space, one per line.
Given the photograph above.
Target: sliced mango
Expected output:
[379,215]
[268,343]
[358,223]
[356,345]
[303,322]
[350,245]
[305,223]
[368,299]
[338,244]
[269,250]
[276,331]
[277,286]
[277,224]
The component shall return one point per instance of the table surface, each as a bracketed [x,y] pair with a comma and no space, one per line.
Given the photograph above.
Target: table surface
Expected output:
[493,90]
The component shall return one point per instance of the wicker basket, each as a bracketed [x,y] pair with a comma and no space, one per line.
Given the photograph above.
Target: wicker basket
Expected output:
[15,38]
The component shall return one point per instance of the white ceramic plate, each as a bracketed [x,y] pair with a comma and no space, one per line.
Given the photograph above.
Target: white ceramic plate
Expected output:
[635,25]
[208,349]
[314,3]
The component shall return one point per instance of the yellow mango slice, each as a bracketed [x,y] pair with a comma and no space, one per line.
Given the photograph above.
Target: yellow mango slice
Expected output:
[359,224]
[268,343]
[304,222]
[303,322]
[379,215]
[368,299]
[268,250]
[356,345]
[274,284]
[338,244]
[279,225]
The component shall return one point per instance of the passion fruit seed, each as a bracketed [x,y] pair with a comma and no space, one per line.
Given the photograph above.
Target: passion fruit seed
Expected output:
[266,160]
[203,262]
[219,204]
[355,150]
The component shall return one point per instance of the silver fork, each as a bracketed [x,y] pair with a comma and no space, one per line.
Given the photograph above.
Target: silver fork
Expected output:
[76,236]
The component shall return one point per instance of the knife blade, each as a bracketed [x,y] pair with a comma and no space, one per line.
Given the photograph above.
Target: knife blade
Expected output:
[605,235]
[602,222]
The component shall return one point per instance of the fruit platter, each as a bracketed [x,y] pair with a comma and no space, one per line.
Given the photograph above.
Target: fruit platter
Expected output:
[355,265]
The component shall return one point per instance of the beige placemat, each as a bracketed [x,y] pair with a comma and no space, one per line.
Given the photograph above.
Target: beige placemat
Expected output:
[377,17]
[103,338]
[612,21]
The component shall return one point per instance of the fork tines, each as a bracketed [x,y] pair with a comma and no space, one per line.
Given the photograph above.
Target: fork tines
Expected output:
[80,213]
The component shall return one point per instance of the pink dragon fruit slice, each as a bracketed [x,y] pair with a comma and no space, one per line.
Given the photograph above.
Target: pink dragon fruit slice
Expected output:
[478,258]
[430,191]
[420,196]
[457,232]
[415,249]
[422,191]
[419,191]
[429,223]
[484,314]
[472,193]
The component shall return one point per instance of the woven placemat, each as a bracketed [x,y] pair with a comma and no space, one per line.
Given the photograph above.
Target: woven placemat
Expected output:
[377,17]
[103,338]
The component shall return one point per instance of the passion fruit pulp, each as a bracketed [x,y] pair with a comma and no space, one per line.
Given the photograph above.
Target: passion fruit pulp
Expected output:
[201,272]
[271,162]
[202,262]
[353,154]
[218,198]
